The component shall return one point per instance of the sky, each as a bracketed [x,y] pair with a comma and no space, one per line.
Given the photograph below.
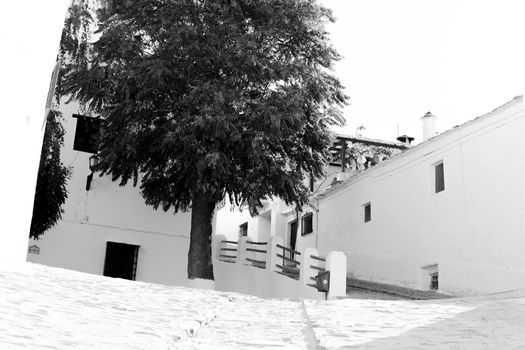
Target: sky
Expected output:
[458,59]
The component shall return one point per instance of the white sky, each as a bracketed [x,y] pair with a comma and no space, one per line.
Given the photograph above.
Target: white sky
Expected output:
[458,59]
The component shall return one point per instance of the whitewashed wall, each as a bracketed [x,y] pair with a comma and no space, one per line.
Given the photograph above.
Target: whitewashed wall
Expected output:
[273,220]
[228,220]
[27,62]
[473,230]
[108,212]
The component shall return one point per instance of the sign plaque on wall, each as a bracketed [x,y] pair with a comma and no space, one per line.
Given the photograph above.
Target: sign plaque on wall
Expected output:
[34,249]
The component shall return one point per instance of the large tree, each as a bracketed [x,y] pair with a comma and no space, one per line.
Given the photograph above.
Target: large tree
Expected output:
[204,99]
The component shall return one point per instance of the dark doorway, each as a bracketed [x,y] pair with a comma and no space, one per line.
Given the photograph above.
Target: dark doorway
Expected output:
[121,260]
[293,236]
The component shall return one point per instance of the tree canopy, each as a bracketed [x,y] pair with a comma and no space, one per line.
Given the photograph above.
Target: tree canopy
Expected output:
[205,99]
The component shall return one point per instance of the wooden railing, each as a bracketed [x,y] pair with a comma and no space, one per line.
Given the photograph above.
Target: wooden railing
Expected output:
[289,264]
[256,262]
[273,256]
[227,253]
[319,269]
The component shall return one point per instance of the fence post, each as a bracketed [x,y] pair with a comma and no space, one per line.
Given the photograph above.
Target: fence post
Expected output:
[217,245]
[271,253]
[306,270]
[336,264]
[241,250]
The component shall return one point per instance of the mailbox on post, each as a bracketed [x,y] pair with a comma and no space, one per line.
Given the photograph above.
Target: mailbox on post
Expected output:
[323,281]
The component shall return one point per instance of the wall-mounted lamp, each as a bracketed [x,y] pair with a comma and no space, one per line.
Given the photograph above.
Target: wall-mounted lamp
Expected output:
[93,162]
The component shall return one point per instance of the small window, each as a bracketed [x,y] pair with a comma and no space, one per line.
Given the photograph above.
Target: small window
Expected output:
[439,177]
[307,224]
[430,277]
[86,134]
[243,230]
[368,212]
[434,281]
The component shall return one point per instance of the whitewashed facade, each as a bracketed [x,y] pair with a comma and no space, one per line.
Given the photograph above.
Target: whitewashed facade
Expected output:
[109,213]
[447,214]
[298,230]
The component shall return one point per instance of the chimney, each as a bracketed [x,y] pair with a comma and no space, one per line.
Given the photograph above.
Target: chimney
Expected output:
[407,140]
[429,126]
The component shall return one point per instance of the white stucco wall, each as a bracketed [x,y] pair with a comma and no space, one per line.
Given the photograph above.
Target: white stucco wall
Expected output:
[26,65]
[250,280]
[108,212]
[228,220]
[473,229]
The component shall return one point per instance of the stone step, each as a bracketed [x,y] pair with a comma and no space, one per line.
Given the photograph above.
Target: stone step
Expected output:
[404,292]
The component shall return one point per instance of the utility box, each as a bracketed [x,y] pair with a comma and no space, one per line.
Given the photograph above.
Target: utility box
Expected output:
[323,281]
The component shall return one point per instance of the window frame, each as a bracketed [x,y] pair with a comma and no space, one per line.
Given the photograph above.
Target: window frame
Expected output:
[439,176]
[367,218]
[307,216]
[434,281]
[86,133]
[243,229]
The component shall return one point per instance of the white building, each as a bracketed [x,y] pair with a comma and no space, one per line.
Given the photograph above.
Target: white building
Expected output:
[109,230]
[447,214]
[299,229]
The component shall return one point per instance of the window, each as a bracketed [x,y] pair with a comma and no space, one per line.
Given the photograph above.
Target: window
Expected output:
[293,236]
[367,212]
[86,133]
[434,281]
[430,277]
[121,260]
[439,177]
[243,230]
[307,224]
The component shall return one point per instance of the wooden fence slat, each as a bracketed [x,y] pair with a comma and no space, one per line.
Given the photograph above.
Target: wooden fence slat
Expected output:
[288,259]
[256,250]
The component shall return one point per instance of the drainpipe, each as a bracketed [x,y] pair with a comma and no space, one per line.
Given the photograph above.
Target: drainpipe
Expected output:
[317,224]
[343,155]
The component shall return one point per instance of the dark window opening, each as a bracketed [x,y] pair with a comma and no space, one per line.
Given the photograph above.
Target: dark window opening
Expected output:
[368,212]
[86,134]
[121,260]
[243,230]
[293,236]
[434,281]
[307,224]
[439,177]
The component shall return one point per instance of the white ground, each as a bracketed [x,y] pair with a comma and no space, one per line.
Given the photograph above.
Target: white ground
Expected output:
[50,308]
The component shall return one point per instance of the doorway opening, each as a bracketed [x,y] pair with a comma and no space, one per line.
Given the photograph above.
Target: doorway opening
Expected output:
[121,260]
[430,277]
[293,236]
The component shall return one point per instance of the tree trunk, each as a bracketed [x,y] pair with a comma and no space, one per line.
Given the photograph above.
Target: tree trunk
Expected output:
[199,256]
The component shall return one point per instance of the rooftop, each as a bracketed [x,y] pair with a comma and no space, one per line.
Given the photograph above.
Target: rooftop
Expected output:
[518,100]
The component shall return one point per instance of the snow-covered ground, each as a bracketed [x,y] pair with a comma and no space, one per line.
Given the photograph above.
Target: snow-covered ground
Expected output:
[49,308]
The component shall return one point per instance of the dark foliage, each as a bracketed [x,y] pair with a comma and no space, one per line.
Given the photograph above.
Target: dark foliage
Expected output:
[50,192]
